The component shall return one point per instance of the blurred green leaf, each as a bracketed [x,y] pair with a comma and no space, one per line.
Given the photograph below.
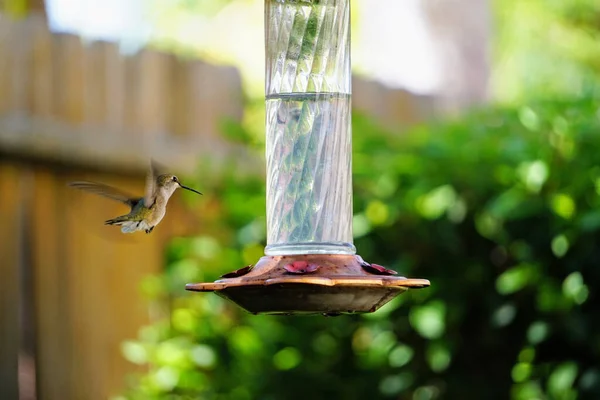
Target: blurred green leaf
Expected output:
[537,332]
[203,356]
[521,372]
[287,358]
[516,278]
[438,356]
[563,205]
[574,288]
[561,381]
[436,202]
[504,315]
[560,245]
[400,355]
[395,384]
[429,319]
[134,352]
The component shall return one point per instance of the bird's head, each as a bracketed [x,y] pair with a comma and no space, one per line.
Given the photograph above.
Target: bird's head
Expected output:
[171,183]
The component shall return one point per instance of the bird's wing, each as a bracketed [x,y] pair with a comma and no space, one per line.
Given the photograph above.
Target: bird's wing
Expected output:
[106,191]
[153,173]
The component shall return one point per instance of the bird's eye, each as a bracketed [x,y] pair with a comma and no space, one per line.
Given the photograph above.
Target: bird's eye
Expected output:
[174,179]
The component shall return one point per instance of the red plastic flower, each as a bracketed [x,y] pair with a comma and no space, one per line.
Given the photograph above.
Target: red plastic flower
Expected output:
[378,269]
[301,267]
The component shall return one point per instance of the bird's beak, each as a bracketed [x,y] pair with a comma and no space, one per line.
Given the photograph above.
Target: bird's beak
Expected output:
[189,188]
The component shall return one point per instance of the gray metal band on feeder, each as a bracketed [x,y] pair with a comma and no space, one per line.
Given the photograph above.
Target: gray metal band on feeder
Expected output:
[310,263]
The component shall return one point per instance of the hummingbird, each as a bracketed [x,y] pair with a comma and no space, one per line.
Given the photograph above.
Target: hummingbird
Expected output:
[146,212]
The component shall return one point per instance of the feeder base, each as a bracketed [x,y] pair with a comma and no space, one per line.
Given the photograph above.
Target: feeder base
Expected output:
[310,284]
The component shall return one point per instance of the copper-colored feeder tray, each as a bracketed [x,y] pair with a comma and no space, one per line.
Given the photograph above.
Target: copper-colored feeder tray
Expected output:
[310,284]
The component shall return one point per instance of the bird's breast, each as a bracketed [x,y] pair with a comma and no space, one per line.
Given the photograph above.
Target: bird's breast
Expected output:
[157,212]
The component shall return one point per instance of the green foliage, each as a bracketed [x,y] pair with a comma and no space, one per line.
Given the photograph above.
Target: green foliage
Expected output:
[500,210]
[546,46]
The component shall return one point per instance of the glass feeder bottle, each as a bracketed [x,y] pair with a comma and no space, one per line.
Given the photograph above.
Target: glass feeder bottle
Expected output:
[309,138]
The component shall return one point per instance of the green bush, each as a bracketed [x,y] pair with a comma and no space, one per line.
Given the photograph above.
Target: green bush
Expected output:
[500,210]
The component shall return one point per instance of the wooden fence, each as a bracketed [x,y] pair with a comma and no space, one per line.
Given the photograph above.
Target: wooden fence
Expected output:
[69,286]
[88,104]
[70,110]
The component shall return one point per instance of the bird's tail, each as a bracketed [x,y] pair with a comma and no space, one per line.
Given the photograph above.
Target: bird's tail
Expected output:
[116,221]
[127,225]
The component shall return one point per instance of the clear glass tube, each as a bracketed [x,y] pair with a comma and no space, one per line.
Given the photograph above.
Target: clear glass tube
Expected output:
[309,138]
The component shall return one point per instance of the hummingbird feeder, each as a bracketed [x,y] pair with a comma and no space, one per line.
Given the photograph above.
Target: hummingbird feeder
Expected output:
[310,263]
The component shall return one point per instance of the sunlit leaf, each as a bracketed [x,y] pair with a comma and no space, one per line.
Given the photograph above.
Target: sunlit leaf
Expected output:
[504,315]
[528,390]
[537,332]
[172,352]
[529,118]
[245,340]
[561,379]
[563,205]
[521,372]
[165,378]
[377,212]
[560,245]
[438,356]
[527,355]
[395,384]
[429,319]
[361,225]
[287,358]
[205,247]
[400,355]
[574,288]
[515,279]
[533,174]
[203,356]
[436,202]
[488,225]
[134,352]
[184,320]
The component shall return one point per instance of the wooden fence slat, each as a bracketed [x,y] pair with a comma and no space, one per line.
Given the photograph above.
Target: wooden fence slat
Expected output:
[178,105]
[68,78]
[146,94]
[202,100]
[19,58]
[95,87]
[5,65]
[130,96]
[153,92]
[9,281]
[53,319]
[115,88]
[41,89]
[208,98]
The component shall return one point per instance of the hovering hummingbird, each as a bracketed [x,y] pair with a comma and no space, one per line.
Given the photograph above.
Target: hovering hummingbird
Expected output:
[146,212]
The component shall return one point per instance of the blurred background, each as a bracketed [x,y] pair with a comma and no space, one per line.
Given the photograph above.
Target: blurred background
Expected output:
[476,130]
